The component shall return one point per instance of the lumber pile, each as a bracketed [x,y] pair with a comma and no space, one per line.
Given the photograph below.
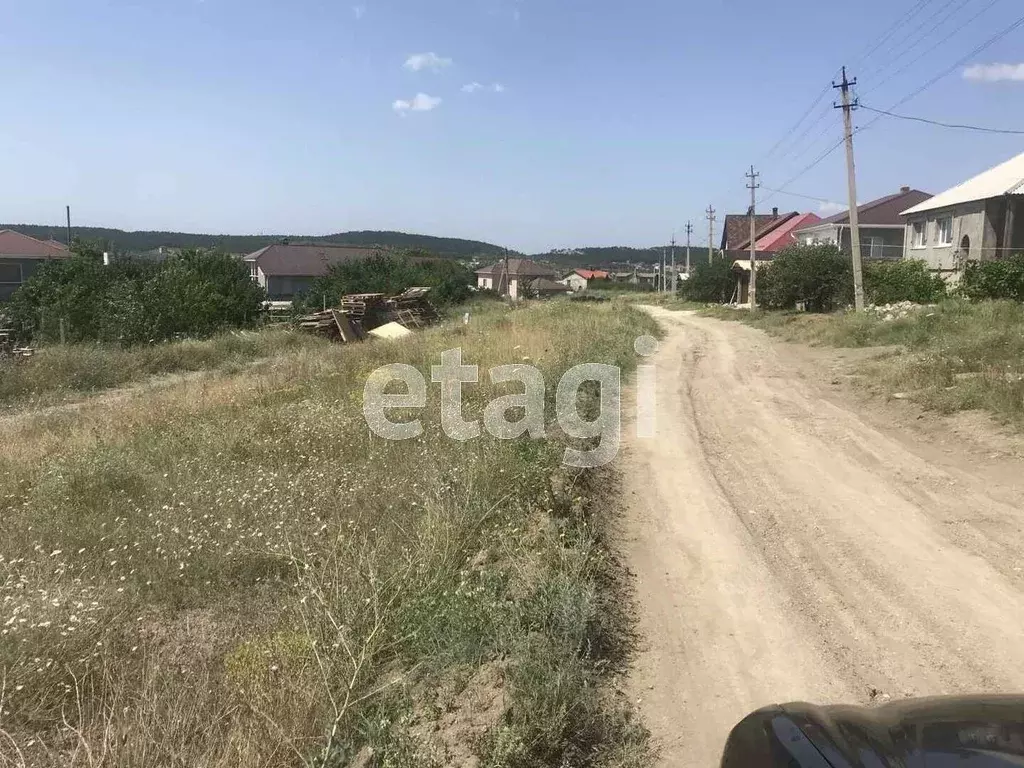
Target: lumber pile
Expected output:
[361,313]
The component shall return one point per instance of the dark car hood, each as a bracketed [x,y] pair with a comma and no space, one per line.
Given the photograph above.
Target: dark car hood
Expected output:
[961,731]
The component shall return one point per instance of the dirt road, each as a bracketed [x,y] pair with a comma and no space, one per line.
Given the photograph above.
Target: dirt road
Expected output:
[790,543]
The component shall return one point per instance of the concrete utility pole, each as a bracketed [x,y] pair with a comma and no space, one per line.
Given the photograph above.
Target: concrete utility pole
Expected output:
[711,233]
[674,283]
[689,231]
[752,186]
[851,179]
[69,225]
[662,275]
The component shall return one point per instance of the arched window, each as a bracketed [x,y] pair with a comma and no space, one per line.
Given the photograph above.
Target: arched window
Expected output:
[965,248]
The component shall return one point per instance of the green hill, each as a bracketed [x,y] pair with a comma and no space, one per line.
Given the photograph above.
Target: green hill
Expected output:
[136,242]
[603,256]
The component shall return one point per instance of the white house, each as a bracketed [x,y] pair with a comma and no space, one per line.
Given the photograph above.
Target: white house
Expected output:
[977,220]
[510,277]
[581,279]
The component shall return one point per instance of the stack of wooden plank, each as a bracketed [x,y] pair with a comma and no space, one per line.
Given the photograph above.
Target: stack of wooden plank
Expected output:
[412,309]
[363,312]
[334,324]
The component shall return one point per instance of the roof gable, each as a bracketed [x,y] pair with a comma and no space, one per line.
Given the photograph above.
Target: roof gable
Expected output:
[305,260]
[1005,179]
[885,211]
[736,235]
[518,268]
[782,236]
[15,244]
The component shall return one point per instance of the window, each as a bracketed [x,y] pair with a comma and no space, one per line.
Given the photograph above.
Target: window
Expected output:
[10,274]
[917,237]
[877,248]
[944,231]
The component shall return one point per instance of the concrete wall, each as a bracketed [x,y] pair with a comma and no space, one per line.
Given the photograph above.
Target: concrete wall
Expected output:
[891,246]
[575,282]
[972,220]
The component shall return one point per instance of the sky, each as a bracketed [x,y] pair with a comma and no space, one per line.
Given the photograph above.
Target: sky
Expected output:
[534,124]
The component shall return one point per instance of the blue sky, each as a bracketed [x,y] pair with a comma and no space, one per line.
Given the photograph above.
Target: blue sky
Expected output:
[594,123]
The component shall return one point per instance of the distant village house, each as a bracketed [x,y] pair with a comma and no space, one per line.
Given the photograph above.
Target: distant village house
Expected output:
[519,278]
[581,279]
[21,255]
[286,270]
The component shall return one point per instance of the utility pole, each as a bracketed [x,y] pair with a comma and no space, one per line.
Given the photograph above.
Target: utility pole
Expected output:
[851,179]
[674,283]
[662,275]
[753,186]
[711,233]
[689,231]
[69,225]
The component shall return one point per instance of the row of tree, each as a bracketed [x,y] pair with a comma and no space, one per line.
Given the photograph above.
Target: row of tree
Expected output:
[193,294]
[821,277]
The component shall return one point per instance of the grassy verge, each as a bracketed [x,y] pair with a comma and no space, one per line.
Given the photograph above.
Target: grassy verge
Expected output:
[954,356]
[233,572]
[58,371]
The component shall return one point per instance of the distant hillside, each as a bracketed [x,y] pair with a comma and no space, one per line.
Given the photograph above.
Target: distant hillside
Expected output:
[135,242]
[600,256]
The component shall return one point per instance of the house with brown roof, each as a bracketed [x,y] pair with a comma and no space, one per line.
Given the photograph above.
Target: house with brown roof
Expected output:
[21,255]
[286,270]
[881,227]
[736,229]
[512,277]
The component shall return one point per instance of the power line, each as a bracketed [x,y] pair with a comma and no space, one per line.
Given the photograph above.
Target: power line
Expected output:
[796,194]
[918,37]
[817,161]
[941,124]
[917,8]
[804,116]
[947,38]
[958,63]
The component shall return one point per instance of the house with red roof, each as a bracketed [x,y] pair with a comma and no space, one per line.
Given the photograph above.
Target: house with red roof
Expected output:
[21,255]
[581,279]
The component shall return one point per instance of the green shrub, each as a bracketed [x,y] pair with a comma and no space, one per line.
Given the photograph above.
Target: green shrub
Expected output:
[711,282]
[449,280]
[1002,279]
[888,282]
[818,275]
[196,293]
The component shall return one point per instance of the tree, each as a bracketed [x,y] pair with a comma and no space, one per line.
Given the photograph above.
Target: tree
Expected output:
[449,280]
[712,282]
[818,275]
[80,299]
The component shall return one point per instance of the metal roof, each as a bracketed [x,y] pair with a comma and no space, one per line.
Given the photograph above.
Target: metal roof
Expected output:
[1004,179]
[16,245]
[306,260]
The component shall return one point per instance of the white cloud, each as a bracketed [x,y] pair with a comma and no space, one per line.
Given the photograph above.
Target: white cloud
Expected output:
[431,61]
[830,209]
[358,11]
[995,73]
[421,102]
[474,87]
